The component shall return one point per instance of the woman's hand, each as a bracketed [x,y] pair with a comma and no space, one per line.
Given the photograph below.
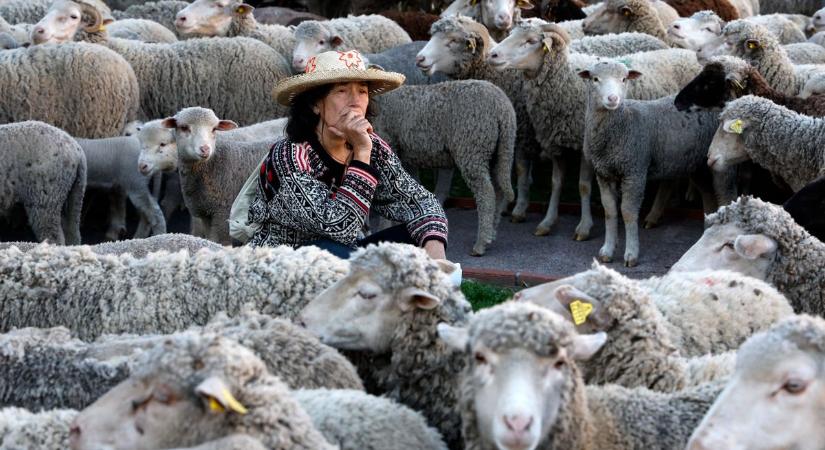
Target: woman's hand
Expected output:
[355,129]
[435,249]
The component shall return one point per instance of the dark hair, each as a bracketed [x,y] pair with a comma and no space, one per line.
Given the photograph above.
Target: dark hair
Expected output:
[300,127]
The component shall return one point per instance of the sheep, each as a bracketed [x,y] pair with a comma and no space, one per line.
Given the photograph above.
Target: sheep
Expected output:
[163,12]
[417,24]
[212,18]
[625,155]
[146,295]
[23,430]
[620,16]
[46,368]
[138,248]
[211,171]
[704,28]
[814,86]
[8,42]
[388,305]
[141,30]
[45,171]
[521,388]
[557,105]
[806,207]
[727,78]
[778,374]
[19,34]
[806,7]
[175,75]
[368,34]
[785,143]
[23,11]
[474,130]
[761,240]
[402,59]
[276,15]
[112,165]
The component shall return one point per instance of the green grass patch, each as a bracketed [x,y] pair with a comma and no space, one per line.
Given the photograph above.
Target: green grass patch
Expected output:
[482,295]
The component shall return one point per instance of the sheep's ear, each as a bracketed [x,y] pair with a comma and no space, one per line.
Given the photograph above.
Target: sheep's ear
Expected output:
[752,44]
[581,307]
[585,74]
[471,43]
[336,41]
[584,346]
[455,337]
[244,9]
[226,125]
[525,4]
[413,298]
[633,74]
[734,126]
[169,122]
[753,246]
[218,397]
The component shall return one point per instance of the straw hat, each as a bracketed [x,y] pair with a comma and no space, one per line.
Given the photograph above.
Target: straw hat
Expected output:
[336,67]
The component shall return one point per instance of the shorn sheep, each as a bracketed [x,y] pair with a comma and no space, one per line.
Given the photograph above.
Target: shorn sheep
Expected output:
[762,240]
[774,400]
[474,130]
[177,75]
[45,171]
[521,388]
[146,295]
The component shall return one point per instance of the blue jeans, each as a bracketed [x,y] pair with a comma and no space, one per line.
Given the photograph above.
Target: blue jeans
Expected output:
[398,234]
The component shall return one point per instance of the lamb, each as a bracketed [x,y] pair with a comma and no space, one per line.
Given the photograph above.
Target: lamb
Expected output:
[474,130]
[785,143]
[23,430]
[112,165]
[533,395]
[557,105]
[761,240]
[727,78]
[806,206]
[138,248]
[774,371]
[211,171]
[145,295]
[163,12]
[182,78]
[212,18]
[624,155]
[368,34]
[45,171]
[46,368]
[388,305]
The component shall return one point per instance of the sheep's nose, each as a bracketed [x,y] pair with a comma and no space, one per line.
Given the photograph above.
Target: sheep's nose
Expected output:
[494,55]
[504,20]
[518,423]
[39,30]
[419,59]
[677,26]
[203,150]
[144,168]
[712,161]
[181,19]
[613,98]
[74,430]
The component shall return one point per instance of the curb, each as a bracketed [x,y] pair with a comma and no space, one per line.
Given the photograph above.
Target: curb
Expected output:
[507,278]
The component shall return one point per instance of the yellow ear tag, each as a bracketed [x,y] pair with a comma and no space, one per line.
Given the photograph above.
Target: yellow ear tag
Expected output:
[752,45]
[473,2]
[240,10]
[102,28]
[738,84]
[214,405]
[545,48]
[233,404]
[736,126]
[580,311]
[471,45]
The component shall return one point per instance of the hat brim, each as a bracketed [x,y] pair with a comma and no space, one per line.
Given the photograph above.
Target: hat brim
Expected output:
[379,82]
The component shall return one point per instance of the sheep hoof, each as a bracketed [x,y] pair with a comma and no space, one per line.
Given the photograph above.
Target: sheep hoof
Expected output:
[650,224]
[114,234]
[605,258]
[580,237]
[632,262]
[542,231]
[477,252]
[517,218]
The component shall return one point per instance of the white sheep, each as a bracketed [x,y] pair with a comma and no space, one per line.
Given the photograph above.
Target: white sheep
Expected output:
[139,248]
[45,171]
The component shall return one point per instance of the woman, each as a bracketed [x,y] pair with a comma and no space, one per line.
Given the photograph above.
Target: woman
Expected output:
[317,185]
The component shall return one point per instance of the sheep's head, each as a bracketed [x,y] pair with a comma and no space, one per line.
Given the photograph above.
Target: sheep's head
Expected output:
[210,17]
[65,18]
[696,31]
[776,396]
[501,14]
[186,391]
[158,148]
[608,81]
[386,283]
[817,21]
[520,368]
[196,131]
[723,79]
[529,44]
[747,40]
[455,43]
[619,16]
[735,239]
[312,38]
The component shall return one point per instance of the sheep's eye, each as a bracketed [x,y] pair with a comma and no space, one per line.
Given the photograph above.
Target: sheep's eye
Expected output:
[163,144]
[595,79]
[624,79]
[558,365]
[708,29]
[794,386]
[367,295]
[73,16]
[532,41]
[727,245]
[480,359]
[321,42]
[184,128]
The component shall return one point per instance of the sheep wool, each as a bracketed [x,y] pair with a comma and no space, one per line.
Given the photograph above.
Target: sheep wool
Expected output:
[23,430]
[162,12]
[139,248]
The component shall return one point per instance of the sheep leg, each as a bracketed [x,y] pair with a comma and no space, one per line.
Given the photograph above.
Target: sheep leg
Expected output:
[478,180]
[611,219]
[172,196]
[117,215]
[585,190]
[47,225]
[443,181]
[552,215]
[152,221]
[663,193]
[524,167]
[218,229]
[633,190]
[198,227]
[157,185]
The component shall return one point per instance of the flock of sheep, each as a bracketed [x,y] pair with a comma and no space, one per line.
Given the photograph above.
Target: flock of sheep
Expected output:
[180,341]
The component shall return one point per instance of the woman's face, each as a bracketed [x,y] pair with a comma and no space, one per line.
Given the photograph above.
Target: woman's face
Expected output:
[353,95]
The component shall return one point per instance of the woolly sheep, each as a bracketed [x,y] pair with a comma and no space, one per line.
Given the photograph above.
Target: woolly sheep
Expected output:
[45,171]
[211,171]
[368,34]
[212,18]
[806,207]
[557,105]
[498,16]
[146,295]
[473,130]
[46,368]
[172,76]
[389,304]
[619,16]
[785,143]
[141,30]
[402,59]
[778,377]
[533,396]
[785,29]
[625,155]
[816,85]
[23,11]
[727,78]
[23,430]
[761,240]
[162,12]
[139,248]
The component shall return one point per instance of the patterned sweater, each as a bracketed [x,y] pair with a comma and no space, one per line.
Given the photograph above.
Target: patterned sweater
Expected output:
[304,194]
